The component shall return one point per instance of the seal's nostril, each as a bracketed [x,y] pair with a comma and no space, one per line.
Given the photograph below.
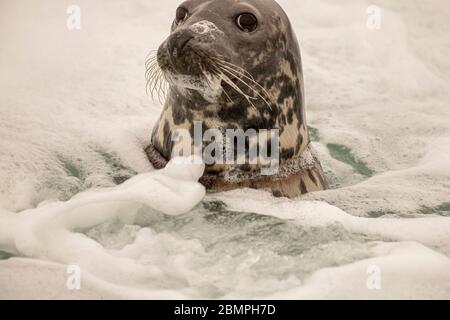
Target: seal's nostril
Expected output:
[184,42]
[177,44]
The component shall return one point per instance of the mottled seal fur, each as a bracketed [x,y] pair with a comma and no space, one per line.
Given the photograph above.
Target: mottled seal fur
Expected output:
[263,89]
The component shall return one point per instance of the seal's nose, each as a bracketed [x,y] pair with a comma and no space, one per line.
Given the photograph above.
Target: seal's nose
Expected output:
[178,42]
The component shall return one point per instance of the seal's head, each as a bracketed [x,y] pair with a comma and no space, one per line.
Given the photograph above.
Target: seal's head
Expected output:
[231,64]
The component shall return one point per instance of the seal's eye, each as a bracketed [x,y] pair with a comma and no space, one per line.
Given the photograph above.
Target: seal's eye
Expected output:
[247,22]
[182,15]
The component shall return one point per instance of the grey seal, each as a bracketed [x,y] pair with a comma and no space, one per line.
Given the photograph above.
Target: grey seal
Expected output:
[235,64]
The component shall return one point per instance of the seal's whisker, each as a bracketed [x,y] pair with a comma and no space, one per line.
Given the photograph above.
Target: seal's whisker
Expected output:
[228,96]
[224,91]
[208,81]
[164,84]
[150,61]
[160,87]
[157,84]
[149,65]
[242,72]
[249,86]
[268,96]
[239,72]
[151,80]
[154,84]
[151,71]
[251,80]
[240,69]
[149,86]
[152,65]
[216,72]
[235,87]
[156,79]
[243,82]
[151,57]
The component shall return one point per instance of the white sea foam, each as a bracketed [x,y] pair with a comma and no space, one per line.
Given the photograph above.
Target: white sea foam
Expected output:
[126,258]
[74,117]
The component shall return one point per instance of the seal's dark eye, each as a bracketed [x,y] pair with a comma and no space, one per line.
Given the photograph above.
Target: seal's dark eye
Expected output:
[182,15]
[247,22]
